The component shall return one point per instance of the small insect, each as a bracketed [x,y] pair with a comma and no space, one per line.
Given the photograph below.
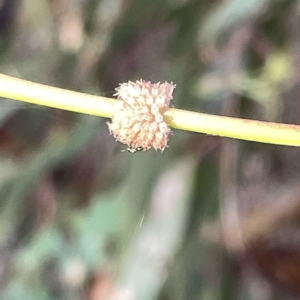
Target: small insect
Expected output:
[131,149]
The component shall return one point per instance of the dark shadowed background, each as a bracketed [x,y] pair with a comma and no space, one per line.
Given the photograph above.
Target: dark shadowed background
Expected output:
[209,218]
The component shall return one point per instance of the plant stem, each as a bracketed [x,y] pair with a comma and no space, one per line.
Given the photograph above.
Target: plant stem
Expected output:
[251,130]
[35,93]
[244,129]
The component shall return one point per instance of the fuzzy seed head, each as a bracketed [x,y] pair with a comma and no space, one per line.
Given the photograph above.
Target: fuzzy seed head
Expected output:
[138,120]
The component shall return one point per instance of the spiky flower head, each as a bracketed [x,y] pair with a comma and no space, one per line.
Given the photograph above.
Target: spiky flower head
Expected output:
[138,120]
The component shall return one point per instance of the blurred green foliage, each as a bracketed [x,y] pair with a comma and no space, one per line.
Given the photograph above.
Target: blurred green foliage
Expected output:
[208,218]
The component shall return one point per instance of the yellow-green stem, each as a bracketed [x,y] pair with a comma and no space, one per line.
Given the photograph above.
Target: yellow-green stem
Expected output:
[250,130]
[35,93]
[258,131]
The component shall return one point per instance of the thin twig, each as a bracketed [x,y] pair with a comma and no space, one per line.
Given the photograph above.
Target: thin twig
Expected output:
[251,130]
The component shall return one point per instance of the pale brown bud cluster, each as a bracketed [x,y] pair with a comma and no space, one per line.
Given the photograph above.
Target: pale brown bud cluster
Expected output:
[138,120]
